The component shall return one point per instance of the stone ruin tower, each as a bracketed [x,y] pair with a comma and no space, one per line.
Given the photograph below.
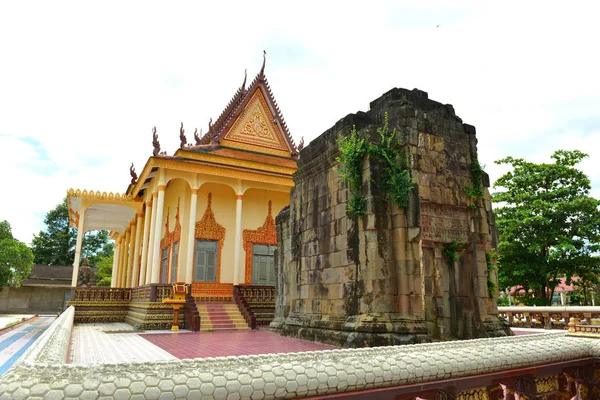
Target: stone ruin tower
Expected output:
[385,277]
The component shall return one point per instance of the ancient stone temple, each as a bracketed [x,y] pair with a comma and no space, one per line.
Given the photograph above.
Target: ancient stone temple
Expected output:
[394,275]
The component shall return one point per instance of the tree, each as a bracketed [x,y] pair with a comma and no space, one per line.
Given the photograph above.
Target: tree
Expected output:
[16,259]
[104,272]
[56,245]
[549,226]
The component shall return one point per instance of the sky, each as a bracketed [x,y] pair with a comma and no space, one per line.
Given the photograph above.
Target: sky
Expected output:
[83,83]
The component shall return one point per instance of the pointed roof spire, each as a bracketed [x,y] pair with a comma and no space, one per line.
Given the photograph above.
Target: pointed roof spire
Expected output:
[261,75]
[245,77]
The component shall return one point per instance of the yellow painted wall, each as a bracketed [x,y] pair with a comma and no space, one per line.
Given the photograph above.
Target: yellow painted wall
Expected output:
[178,189]
[255,207]
[223,206]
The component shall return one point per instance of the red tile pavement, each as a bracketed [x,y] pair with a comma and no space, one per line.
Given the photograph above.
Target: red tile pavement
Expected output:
[230,343]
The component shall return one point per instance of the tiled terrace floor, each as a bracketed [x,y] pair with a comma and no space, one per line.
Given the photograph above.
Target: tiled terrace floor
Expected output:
[95,344]
[230,343]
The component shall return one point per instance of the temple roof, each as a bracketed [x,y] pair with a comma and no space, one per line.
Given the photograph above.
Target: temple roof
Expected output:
[252,121]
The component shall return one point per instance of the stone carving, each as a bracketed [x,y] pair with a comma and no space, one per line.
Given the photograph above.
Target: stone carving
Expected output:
[382,279]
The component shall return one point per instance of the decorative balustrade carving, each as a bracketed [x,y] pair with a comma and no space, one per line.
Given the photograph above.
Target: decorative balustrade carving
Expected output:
[256,303]
[547,317]
[119,295]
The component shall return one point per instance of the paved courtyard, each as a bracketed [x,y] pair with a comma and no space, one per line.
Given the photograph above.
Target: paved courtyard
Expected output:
[118,342]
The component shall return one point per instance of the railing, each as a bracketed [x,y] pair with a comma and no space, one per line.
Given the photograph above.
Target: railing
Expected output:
[96,294]
[242,304]
[152,293]
[547,317]
[258,294]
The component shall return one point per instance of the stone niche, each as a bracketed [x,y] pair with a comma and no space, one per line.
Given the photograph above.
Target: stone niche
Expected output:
[382,279]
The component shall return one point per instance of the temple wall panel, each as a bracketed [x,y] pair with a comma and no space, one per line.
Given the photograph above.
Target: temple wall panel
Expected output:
[223,207]
[178,190]
[255,206]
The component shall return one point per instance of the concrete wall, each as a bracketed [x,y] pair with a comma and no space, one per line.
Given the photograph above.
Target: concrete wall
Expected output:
[32,299]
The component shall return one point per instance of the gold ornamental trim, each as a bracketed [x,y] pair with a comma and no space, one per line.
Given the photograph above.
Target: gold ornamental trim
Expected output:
[225,160]
[224,172]
[266,234]
[209,229]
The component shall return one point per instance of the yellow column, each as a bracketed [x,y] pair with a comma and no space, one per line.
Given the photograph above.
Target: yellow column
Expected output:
[113,278]
[131,254]
[78,248]
[189,268]
[238,240]
[136,251]
[147,219]
[158,234]
[151,241]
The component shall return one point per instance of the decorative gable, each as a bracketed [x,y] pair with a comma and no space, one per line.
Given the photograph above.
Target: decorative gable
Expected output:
[256,129]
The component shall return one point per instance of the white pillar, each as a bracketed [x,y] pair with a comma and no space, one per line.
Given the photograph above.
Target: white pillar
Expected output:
[189,268]
[113,278]
[78,249]
[136,251]
[131,260]
[157,235]
[238,241]
[144,250]
[151,238]
[125,259]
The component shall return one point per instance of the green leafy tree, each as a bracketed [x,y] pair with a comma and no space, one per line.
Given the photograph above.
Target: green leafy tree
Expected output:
[16,259]
[56,244]
[549,225]
[104,272]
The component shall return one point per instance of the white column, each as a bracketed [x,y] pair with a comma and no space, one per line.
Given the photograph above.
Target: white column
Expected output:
[131,261]
[113,278]
[189,268]
[136,251]
[147,219]
[78,249]
[157,235]
[238,241]
[151,239]
[125,259]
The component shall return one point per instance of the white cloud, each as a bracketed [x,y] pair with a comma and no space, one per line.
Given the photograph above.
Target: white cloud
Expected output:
[88,81]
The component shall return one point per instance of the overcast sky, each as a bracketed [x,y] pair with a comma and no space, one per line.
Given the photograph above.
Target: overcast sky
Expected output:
[82,84]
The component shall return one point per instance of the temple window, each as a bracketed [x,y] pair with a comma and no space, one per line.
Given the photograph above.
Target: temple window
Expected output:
[263,264]
[174,262]
[205,261]
[164,265]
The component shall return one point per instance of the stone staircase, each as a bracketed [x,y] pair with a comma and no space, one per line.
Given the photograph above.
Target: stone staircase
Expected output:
[220,316]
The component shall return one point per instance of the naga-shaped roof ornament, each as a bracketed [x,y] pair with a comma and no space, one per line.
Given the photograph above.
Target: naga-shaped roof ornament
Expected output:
[261,75]
[197,136]
[245,78]
[301,144]
[182,138]
[155,143]
[134,176]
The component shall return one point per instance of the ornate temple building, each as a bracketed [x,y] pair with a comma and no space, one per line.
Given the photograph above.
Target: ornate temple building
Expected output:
[204,215]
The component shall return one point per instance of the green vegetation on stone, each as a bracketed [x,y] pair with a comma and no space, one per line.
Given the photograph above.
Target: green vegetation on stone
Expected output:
[353,149]
[475,192]
[452,252]
[395,180]
[548,223]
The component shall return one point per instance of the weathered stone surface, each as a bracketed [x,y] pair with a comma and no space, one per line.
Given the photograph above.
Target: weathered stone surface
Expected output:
[382,279]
